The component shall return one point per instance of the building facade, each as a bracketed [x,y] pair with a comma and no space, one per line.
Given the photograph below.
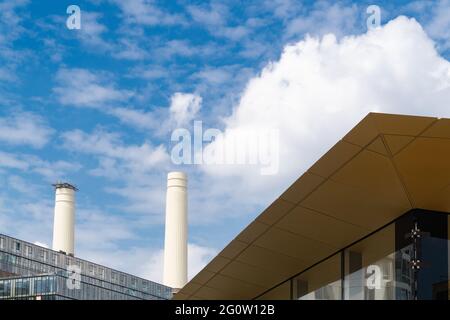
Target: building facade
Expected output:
[407,259]
[28,271]
[368,221]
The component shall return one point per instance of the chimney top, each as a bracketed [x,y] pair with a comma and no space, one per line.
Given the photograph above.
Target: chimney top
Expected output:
[66,185]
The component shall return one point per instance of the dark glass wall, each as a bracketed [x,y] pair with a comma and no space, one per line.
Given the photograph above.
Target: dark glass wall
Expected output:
[407,259]
[423,235]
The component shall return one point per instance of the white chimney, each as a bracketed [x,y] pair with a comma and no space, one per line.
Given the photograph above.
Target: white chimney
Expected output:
[175,245]
[64,221]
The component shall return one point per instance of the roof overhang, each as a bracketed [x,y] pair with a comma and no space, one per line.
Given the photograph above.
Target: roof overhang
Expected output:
[385,166]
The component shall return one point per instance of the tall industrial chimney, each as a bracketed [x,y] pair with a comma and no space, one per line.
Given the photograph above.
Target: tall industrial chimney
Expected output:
[64,222]
[175,245]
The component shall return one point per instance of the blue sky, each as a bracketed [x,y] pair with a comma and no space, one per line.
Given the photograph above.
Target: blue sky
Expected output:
[97,106]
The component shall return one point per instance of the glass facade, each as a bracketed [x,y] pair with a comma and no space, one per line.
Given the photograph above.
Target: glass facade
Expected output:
[321,282]
[28,271]
[408,259]
[369,267]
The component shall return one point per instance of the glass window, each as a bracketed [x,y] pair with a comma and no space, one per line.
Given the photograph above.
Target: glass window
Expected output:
[2,243]
[370,267]
[43,254]
[422,256]
[5,288]
[16,246]
[29,250]
[321,282]
[22,287]
[55,259]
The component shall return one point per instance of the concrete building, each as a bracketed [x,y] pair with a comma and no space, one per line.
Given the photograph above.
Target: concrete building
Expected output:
[369,220]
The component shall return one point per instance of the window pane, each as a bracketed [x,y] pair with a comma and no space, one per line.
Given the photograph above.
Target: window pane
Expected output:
[321,282]
[5,288]
[370,267]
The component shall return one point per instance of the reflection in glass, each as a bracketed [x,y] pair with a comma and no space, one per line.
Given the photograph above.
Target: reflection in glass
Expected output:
[369,267]
[321,282]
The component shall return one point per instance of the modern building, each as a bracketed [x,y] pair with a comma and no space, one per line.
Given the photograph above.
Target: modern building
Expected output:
[31,272]
[369,220]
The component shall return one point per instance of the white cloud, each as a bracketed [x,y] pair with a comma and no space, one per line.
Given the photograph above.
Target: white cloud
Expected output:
[84,88]
[139,119]
[106,230]
[323,18]
[50,170]
[439,25]
[215,76]
[24,128]
[12,161]
[184,107]
[138,167]
[284,9]
[26,217]
[145,12]
[91,32]
[7,75]
[198,257]
[21,185]
[212,16]
[12,14]
[215,18]
[130,50]
[148,262]
[109,145]
[320,88]
[183,48]
[55,170]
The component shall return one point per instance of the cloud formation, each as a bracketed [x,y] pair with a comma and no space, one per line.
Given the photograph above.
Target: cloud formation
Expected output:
[24,128]
[84,88]
[184,107]
[321,87]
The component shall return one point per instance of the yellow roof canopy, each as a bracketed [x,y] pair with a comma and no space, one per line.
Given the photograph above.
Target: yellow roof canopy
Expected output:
[385,166]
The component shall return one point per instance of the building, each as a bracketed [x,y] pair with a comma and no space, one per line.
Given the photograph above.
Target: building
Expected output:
[31,272]
[369,220]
